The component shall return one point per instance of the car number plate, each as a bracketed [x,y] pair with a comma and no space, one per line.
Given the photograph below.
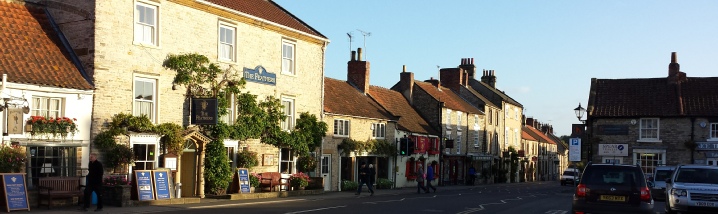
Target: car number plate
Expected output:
[612,198]
[705,204]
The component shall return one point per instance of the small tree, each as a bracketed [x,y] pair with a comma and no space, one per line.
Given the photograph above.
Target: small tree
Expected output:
[220,174]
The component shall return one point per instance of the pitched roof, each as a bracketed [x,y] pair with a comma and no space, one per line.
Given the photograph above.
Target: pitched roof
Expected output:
[394,102]
[653,97]
[540,136]
[342,98]
[31,52]
[451,100]
[526,135]
[268,10]
[495,93]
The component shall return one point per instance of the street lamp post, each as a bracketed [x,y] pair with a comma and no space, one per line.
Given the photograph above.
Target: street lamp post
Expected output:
[580,111]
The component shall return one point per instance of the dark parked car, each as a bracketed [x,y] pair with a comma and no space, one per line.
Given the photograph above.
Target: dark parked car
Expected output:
[612,188]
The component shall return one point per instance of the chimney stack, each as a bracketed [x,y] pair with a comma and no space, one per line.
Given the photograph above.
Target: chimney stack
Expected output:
[406,84]
[358,73]
[675,76]
[470,69]
[452,78]
[489,78]
[434,82]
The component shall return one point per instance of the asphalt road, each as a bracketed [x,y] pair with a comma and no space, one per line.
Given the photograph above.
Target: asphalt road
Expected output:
[529,198]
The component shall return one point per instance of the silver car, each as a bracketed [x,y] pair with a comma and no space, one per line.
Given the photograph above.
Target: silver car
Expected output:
[692,188]
[658,181]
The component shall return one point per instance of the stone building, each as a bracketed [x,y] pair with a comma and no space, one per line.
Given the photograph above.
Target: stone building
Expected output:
[529,161]
[46,95]
[122,45]
[654,121]
[357,124]
[459,124]
[547,165]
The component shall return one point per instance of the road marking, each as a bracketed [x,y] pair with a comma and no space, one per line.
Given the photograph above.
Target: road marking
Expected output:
[556,212]
[481,206]
[325,208]
[245,204]
[375,202]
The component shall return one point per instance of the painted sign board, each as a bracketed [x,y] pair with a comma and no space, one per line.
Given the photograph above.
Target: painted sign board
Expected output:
[574,149]
[613,150]
[702,146]
[260,75]
[244,182]
[162,184]
[145,192]
[204,111]
[15,191]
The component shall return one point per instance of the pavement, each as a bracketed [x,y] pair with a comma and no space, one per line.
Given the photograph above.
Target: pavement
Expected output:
[207,202]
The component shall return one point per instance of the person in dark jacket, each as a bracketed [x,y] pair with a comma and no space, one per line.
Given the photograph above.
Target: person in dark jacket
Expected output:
[364,179]
[93,183]
[430,176]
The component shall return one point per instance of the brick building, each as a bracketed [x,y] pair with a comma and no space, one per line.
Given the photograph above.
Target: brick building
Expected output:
[122,45]
[654,121]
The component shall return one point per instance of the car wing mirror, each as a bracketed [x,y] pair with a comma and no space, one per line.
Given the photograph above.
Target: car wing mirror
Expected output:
[651,185]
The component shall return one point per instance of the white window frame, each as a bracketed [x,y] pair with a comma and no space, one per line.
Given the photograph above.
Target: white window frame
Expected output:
[290,120]
[508,115]
[713,134]
[659,158]
[448,119]
[289,62]
[341,127]
[516,137]
[140,28]
[506,136]
[146,140]
[231,45]
[231,115]
[378,130]
[642,127]
[154,101]
[42,106]
[517,113]
[458,120]
[290,161]
[476,138]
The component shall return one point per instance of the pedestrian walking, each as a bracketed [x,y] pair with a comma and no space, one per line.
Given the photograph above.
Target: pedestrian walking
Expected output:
[372,175]
[420,179]
[364,179]
[94,183]
[472,175]
[430,176]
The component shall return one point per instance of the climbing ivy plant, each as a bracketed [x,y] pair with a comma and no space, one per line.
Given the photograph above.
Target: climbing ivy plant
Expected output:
[257,119]
[379,147]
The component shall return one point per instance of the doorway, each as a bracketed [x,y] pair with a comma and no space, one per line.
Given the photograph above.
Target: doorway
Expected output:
[188,168]
[326,171]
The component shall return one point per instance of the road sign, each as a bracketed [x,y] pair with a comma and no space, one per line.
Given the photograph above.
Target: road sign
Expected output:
[574,149]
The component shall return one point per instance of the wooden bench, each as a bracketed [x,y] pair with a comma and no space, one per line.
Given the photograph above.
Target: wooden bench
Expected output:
[50,188]
[271,180]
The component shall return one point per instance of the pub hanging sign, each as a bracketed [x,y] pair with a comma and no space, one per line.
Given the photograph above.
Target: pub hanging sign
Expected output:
[204,111]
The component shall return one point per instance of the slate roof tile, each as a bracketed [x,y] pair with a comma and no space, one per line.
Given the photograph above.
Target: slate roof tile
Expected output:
[450,99]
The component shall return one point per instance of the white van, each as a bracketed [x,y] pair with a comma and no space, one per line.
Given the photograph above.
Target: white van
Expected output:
[570,175]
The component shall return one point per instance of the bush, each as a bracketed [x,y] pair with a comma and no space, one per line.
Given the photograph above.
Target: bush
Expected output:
[383,183]
[218,172]
[12,158]
[254,179]
[306,163]
[247,159]
[349,185]
[115,181]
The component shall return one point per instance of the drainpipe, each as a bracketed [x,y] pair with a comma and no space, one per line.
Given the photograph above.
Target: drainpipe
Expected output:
[440,181]
[693,128]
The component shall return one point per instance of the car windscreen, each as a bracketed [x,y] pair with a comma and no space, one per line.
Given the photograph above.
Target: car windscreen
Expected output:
[614,175]
[569,173]
[697,175]
[662,175]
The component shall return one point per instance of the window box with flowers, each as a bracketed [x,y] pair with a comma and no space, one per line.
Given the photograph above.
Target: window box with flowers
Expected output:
[49,126]
[299,181]
[12,158]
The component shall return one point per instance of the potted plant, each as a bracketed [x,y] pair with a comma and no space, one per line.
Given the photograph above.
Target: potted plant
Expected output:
[254,179]
[12,158]
[117,190]
[299,180]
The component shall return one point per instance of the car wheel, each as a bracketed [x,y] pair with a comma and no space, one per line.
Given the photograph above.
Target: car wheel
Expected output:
[668,208]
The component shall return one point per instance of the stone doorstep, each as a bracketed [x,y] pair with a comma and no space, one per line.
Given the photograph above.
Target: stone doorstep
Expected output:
[134,203]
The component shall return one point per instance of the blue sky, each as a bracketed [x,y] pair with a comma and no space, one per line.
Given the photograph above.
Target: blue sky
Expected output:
[544,52]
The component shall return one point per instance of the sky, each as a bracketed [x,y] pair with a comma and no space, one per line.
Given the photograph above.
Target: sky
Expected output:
[544,53]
